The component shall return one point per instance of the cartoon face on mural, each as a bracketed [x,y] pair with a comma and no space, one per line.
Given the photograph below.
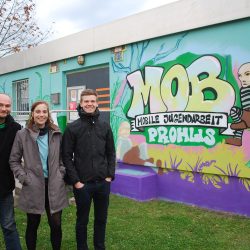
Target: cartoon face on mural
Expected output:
[241,116]
[128,150]
[244,74]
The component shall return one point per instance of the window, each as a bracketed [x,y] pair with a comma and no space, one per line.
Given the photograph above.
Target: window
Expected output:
[22,96]
[54,67]
[91,78]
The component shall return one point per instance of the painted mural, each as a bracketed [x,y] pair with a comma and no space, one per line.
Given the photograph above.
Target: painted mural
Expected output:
[182,102]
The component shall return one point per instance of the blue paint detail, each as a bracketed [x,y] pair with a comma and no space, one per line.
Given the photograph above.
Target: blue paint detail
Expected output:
[131,172]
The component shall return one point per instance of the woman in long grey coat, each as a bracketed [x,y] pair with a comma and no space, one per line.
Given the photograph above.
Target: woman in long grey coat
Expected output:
[41,174]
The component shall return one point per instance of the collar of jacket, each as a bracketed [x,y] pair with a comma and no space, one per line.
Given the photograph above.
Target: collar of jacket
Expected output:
[34,132]
[88,116]
[8,120]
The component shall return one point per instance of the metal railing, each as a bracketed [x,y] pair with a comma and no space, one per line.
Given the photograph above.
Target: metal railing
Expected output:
[22,116]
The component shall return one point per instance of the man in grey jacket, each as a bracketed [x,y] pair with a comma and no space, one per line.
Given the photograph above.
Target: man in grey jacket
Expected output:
[8,129]
[89,158]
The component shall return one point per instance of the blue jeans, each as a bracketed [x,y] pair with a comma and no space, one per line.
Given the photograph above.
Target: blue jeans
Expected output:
[99,193]
[8,224]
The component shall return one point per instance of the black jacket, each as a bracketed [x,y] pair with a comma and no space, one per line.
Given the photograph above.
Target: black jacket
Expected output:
[7,136]
[88,149]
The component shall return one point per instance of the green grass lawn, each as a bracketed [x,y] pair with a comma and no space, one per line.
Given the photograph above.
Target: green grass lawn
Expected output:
[152,225]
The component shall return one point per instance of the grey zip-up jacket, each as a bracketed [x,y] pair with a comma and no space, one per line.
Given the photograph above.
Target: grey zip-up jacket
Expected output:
[30,173]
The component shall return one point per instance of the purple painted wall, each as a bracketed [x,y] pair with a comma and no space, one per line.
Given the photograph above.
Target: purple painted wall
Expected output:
[142,183]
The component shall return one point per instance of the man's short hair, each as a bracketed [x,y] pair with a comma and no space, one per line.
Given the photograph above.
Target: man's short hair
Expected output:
[4,94]
[87,92]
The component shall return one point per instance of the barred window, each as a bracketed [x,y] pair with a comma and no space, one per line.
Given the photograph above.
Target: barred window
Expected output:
[22,96]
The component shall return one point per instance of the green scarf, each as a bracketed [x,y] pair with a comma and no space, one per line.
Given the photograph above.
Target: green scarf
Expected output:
[2,125]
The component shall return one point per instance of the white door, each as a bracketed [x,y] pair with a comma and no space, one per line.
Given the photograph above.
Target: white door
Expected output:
[73,99]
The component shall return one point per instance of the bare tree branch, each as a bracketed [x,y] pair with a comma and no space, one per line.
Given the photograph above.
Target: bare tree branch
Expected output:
[18,26]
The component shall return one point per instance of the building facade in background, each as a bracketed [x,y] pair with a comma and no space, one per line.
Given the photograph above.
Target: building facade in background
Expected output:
[170,92]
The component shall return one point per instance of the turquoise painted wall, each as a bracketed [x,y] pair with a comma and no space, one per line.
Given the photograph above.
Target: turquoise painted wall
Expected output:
[42,83]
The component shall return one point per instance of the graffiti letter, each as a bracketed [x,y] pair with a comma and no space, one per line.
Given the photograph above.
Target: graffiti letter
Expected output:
[152,132]
[162,135]
[147,92]
[209,139]
[182,135]
[179,101]
[203,74]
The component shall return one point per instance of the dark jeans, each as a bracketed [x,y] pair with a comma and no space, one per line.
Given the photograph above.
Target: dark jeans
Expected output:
[8,224]
[54,220]
[99,193]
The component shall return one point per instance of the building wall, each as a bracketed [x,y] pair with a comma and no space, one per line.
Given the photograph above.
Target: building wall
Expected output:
[172,99]
[42,83]
[190,75]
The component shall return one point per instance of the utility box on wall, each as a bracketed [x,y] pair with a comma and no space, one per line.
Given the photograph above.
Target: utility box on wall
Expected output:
[55,98]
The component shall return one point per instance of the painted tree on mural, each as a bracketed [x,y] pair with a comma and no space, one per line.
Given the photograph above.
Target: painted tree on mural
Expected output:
[18,27]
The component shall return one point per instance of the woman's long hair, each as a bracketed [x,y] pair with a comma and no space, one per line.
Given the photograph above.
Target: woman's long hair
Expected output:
[49,122]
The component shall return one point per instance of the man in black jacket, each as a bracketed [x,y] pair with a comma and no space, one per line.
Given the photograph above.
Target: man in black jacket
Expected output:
[89,158]
[8,129]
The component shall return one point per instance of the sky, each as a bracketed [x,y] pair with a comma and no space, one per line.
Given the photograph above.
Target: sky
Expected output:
[71,16]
